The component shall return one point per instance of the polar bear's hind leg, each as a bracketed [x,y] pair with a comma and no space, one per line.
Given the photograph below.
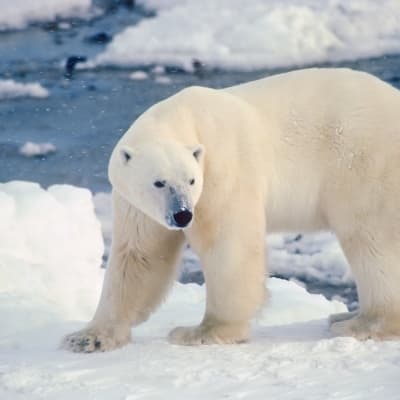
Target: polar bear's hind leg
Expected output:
[375,265]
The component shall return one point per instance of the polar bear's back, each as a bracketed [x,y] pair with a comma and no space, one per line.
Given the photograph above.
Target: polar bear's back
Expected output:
[328,91]
[312,80]
[336,107]
[339,132]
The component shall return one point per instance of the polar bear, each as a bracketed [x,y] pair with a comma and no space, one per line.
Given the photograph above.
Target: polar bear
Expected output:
[306,150]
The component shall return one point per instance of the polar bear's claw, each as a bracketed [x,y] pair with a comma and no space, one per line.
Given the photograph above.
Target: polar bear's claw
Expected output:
[92,340]
[84,344]
[364,327]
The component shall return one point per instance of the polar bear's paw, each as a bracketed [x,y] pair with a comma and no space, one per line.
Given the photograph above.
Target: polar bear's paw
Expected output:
[209,334]
[96,340]
[342,316]
[364,327]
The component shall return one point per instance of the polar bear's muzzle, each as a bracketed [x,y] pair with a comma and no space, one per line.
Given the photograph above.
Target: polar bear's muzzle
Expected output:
[180,213]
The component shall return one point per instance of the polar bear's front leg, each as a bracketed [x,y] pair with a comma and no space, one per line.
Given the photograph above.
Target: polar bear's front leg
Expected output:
[234,270]
[141,268]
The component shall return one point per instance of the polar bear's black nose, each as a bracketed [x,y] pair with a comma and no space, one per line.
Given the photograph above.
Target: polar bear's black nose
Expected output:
[183,217]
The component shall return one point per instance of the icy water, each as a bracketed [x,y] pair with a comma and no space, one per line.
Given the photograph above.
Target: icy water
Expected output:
[86,114]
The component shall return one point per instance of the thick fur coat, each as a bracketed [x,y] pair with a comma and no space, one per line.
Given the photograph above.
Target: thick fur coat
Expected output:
[306,150]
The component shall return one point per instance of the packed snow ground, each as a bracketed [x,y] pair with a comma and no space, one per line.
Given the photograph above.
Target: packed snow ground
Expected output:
[17,14]
[10,89]
[50,281]
[232,34]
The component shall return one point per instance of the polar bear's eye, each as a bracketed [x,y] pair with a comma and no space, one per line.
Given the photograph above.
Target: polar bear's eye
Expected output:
[159,184]
[125,156]
[192,181]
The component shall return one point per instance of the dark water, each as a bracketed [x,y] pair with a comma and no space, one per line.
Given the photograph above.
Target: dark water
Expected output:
[85,116]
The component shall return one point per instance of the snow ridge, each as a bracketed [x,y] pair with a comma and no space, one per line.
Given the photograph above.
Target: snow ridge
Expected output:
[257,34]
[10,89]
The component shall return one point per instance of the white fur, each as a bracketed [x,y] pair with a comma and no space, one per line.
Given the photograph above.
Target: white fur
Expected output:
[161,164]
[306,150]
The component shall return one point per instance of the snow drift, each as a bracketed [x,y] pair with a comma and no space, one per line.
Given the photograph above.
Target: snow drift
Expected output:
[32,149]
[10,89]
[256,34]
[50,252]
[17,14]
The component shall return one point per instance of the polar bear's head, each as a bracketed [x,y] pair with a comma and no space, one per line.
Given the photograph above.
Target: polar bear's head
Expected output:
[164,179]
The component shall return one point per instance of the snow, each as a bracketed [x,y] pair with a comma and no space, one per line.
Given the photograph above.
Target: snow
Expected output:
[49,286]
[10,89]
[156,73]
[312,256]
[158,70]
[163,80]
[256,34]
[139,75]
[31,149]
[18,14]
[50,253]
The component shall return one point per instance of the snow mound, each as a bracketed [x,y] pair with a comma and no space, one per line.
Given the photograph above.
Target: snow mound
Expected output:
[139,75]
[290,303]
[163,80]
[309,257]
[31,149]
[257,34]
[50,253]
[10,89]
[18,14]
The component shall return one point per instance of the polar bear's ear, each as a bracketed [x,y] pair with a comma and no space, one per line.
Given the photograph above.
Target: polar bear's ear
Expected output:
[126,154]
[197,151]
